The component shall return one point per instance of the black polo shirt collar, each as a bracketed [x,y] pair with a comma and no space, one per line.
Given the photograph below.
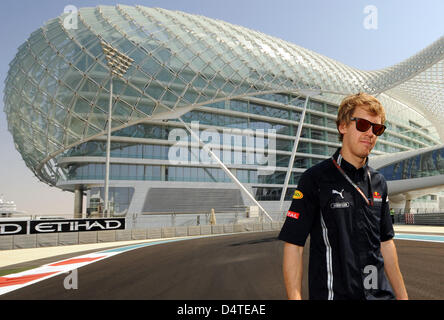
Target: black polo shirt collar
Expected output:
[350,170]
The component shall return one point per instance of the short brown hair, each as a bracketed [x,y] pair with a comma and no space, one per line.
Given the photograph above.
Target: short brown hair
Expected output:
[361,99]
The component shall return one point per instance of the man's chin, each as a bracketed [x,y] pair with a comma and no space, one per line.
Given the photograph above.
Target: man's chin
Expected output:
[365,153]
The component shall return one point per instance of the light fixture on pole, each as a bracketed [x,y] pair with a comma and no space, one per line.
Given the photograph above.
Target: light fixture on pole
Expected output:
[118,64]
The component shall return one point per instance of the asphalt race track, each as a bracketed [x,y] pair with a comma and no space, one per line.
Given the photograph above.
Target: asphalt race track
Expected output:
[230,267]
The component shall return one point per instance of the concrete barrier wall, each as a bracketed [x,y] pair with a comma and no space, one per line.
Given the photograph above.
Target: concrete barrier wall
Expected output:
[168,232]
[6,242]
[24,241]
[88,237]
[205,230]
[154,233]
[181,231]
[123,235]
[139,234]
[217,229]
[194,230]
[106,236]
[68,238]
[47,240]
[72,238]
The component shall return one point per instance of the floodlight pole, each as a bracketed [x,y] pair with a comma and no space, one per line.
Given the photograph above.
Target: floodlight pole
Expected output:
[118,64]
[108,146]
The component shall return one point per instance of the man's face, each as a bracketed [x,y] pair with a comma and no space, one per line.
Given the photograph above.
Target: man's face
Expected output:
[359,143]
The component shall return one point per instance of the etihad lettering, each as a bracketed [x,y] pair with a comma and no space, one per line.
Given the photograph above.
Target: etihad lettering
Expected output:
[12,227]
[52,226]
[76,225]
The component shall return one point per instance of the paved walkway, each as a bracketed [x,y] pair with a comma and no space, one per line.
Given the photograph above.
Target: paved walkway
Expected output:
[20,256]
[419,229]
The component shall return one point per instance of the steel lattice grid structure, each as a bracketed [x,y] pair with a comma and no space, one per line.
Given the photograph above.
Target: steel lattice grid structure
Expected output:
[56,92]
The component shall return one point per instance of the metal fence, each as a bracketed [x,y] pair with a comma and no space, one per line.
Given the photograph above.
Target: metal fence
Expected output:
[422,218]
[179,219]
[147,220]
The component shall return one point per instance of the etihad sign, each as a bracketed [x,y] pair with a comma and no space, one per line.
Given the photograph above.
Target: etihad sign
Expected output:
[45,226]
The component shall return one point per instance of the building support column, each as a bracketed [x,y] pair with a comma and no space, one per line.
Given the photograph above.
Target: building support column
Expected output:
[407,206]
[78,203]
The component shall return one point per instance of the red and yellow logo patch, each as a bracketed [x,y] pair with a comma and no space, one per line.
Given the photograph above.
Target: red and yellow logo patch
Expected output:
[298,195]
[292,214]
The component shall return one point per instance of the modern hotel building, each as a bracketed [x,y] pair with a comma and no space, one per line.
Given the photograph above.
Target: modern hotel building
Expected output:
[210,75]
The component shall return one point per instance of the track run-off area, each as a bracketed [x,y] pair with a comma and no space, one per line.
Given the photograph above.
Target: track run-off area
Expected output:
[246,266]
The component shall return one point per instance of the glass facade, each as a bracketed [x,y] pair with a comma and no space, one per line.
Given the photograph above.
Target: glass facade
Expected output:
[424,165]
[149,141]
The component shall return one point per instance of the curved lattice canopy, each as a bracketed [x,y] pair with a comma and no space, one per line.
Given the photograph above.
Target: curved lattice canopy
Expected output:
[56,92]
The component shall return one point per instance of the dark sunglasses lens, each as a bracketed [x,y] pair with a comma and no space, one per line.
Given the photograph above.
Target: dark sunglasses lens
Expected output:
[363,125]
[378,129]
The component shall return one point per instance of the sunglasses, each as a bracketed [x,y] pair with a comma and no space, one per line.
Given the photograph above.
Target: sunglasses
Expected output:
[363,125]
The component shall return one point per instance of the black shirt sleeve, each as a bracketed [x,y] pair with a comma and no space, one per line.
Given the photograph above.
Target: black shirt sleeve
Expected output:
[303,209]
[387,231]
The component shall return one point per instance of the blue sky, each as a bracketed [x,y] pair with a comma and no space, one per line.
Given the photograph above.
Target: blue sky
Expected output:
[332,28]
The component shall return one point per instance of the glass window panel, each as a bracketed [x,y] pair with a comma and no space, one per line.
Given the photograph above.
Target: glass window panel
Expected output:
[55,132]
[314,105]
[114,171]
[140,172]
[236,105]
[73,78]
[27,62]
[64,95]
[317,135]
[60,114]
[99,74]
[124,171]
[132,174]
[76,125]
[98,118]
[332,137]
[156,172]
[37,72]
[317,120]
[82,107]
[332,109]
[84,62]
[151,67]
[89,89]
[121,111]
[331,150]
[303,147]
[331,123]
[318,149]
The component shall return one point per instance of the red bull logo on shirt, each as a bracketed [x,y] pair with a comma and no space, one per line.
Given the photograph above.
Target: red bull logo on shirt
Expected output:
[376,195]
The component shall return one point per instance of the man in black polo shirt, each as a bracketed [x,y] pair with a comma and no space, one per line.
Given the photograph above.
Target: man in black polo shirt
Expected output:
[342,204]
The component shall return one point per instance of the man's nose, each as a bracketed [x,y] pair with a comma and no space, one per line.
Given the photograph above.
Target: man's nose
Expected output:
[369,132]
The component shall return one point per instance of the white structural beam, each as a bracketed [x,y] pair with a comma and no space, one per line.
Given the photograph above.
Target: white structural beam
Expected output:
[295,147]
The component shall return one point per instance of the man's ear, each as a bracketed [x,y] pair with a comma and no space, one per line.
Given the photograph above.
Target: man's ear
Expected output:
[343,127]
